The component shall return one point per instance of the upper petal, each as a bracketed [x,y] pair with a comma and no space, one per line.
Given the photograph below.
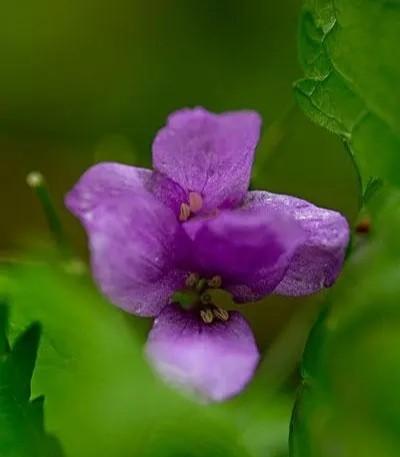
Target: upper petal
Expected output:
[215,360]
[137,250]
[318,261]
[210,154]
[249,249]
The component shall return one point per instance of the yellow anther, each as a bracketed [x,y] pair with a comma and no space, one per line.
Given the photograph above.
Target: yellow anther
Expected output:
[207,316]
[184,212]
[215,282]
[221,314]
[195,202]
[192,280]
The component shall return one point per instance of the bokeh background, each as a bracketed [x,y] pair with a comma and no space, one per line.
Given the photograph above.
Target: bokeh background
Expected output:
[87,81]
[83,82]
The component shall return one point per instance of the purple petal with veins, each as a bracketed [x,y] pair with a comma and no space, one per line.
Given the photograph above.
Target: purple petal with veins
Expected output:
[249,250]
[138,252]
[318,260]
[208,153]
[102,182]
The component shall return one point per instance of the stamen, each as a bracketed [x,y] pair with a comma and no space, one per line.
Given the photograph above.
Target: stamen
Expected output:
[184,212]
[215,282]
[207,316]
[192,280]
[221,314]
[195,202]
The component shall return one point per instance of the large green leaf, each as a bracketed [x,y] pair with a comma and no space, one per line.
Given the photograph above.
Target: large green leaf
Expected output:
[102,398]
[349,49]
[350,401]
[21,420]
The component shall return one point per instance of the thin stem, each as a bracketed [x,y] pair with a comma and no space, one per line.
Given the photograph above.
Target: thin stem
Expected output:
[36,181]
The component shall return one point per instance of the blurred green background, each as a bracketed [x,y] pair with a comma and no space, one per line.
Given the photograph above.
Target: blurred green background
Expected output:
[87,81]
[94,80]
[83,82]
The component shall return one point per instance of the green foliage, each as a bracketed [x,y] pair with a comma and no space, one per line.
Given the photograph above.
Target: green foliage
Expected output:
[348,49]
[350,402]
[102,398]
[22,431]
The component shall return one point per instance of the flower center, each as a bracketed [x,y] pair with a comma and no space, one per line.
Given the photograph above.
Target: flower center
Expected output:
[193,206]
[200,295]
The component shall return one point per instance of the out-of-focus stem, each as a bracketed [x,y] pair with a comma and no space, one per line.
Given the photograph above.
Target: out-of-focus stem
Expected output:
[36,181]
[285,353]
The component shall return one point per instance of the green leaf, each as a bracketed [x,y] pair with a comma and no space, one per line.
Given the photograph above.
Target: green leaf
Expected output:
[103,399]
[351,364]
[4,346]
[22,431]
[348,50]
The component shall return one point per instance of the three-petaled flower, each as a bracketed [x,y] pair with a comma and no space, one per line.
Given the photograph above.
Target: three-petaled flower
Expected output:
[192,224]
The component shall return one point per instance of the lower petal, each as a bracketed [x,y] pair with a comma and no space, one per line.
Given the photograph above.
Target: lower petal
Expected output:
[214,360]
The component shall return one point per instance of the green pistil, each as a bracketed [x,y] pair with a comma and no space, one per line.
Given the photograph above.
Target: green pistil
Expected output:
[201,285]
[206,296]
[187,299]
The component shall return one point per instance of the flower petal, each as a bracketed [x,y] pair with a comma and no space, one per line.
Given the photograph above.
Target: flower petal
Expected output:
[215,360]
[103,181]
[210,154]
[167,191]
[138,251]
[318,261]
[110,179]
[249,250]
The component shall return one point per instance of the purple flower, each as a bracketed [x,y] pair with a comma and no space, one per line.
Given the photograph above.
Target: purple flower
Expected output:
[191,224]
